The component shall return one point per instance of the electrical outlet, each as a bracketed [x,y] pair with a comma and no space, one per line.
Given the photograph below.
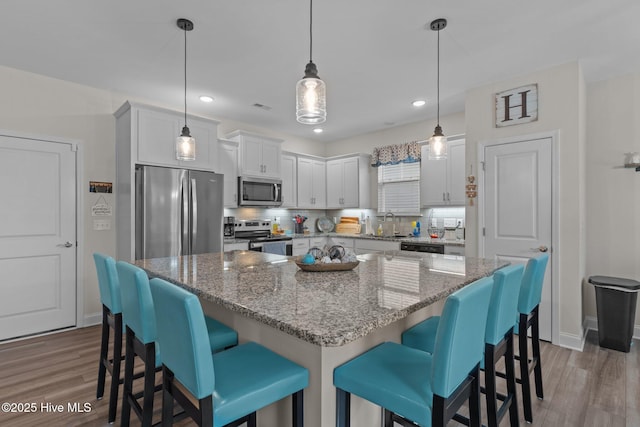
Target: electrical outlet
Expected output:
[101,224]
[450,222]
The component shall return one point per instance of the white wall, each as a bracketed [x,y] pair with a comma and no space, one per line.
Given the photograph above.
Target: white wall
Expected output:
[561,92]
[613,193]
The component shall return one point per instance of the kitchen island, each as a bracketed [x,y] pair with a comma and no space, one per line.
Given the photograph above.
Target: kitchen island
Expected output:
[320,319]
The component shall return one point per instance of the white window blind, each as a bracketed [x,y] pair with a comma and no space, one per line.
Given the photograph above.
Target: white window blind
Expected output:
[399,188]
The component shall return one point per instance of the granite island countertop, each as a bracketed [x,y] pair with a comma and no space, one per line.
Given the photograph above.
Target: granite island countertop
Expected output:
[324,308]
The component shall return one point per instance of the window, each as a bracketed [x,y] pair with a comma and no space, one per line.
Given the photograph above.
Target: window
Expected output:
[399,188]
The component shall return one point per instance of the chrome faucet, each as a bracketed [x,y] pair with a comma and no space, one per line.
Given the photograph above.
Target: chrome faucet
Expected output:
[393,216]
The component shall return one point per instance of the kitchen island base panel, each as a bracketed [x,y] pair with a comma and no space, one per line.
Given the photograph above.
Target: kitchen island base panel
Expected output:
[320,395]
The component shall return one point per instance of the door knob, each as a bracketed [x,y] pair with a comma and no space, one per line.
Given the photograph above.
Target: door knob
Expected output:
[540,248]
[67,244]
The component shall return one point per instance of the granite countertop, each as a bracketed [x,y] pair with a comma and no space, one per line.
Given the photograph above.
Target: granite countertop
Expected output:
[422,239]
[324,308]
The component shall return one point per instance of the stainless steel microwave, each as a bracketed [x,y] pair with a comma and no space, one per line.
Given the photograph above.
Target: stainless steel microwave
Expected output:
[259,191]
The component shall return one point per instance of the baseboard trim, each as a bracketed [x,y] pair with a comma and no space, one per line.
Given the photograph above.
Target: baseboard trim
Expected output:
[592,324]
[573,342]
[92,319]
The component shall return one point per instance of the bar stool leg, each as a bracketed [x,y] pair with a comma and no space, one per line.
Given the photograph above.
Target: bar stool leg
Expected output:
[524,368]
[490,385]
[115,370]
[149,384]
[511,383]
[343,408]
[128,379]
[104,348]
[535,347]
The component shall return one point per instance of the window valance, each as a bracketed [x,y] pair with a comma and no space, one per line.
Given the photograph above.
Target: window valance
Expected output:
[408,152]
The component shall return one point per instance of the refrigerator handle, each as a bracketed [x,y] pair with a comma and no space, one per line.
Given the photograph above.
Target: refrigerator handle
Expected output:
[140,249]
[184,218]
[194,215]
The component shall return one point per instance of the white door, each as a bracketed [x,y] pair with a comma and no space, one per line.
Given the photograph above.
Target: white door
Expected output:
[37,236]
[517,208]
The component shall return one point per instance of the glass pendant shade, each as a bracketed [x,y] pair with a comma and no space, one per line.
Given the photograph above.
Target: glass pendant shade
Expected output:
[438,145]
[185,146]
[311,98]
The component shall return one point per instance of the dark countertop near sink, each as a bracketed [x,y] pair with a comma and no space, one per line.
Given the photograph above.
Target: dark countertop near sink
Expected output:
[410,239]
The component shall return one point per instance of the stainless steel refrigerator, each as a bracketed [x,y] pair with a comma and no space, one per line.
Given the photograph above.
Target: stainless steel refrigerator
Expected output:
[178,212]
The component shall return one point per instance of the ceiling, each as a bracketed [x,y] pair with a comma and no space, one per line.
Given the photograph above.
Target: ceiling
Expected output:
[375,56]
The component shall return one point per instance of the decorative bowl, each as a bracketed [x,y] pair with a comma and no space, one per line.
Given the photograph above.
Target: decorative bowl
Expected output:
[330,266]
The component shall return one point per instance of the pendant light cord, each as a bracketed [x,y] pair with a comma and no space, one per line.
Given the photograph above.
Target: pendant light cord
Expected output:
[438,77]
[185,77]
[310,30]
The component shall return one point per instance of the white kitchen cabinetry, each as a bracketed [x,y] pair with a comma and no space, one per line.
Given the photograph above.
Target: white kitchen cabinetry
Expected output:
[442,181]
[289,177]
[454,250]
[260,156]
[236,246]
[148,134]
[312,192]
[364,246]
[345,242]
[228,161]
[348,182]
[317,242]
[300,246]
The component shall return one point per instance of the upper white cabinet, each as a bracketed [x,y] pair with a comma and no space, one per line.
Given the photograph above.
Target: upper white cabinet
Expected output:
[289,168]
[148,134]
[228,160]
[442,181]
[260,156]
[312,192]
[348,182]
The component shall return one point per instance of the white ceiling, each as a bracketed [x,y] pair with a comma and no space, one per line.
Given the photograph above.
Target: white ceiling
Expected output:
[375,56]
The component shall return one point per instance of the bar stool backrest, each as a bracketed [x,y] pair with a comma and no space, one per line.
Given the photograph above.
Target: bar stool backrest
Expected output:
[108,282]
[137,305]
[503,307]
[182,334]
[532,281]
[459,344]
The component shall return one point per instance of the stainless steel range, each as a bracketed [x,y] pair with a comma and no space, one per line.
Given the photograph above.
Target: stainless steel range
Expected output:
[258,232]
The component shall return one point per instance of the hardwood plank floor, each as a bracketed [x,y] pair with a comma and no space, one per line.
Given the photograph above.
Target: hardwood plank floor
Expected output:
[598,387]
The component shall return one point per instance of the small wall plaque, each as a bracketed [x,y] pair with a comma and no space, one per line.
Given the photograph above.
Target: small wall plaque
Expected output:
[517,106]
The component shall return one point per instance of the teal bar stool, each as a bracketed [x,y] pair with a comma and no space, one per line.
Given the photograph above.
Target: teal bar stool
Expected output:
[223,389]
[111,319]
[416,387]
[528,306]
[140,340]
[498,343]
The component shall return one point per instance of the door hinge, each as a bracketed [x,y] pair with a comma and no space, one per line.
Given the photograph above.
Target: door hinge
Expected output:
[482,163]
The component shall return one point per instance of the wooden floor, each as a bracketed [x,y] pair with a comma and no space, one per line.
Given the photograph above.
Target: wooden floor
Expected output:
[597,387]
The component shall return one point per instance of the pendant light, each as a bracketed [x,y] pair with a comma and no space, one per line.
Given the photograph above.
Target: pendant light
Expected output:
[311,97]
[185,143]
[438,142]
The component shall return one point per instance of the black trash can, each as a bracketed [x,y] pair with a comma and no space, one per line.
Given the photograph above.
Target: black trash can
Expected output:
[616,303]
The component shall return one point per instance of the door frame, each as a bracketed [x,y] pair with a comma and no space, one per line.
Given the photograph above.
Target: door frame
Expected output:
[77,148]
[555,216]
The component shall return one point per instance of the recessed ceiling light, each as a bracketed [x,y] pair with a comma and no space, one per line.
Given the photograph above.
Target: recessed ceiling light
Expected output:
[418,103]
[205,98]
[318,130]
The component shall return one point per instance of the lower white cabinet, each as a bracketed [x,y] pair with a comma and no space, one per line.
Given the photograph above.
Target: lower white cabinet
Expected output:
[317,242]
[364,246]
[236,246]
[345,242]
[453,250]
[300,246]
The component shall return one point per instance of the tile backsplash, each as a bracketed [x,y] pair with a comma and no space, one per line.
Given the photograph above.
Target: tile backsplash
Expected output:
[433,217]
